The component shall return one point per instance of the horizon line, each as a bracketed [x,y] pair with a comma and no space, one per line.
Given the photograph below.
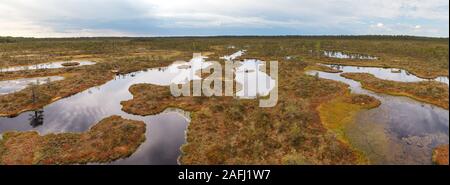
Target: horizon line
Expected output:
[206,36]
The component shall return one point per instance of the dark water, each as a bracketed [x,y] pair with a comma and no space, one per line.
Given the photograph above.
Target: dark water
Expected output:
[165,132]
[399,131]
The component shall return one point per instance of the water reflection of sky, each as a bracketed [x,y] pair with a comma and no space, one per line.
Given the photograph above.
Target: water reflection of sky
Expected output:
[393,74]
[165,131]
[77,113]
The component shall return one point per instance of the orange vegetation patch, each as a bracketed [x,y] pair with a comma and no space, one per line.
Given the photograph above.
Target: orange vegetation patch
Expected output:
[440,155]
[76,80]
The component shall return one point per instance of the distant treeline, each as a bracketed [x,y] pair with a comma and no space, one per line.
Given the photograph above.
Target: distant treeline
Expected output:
[366,37]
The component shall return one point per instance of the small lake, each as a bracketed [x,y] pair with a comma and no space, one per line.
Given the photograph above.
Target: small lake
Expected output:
[50,65]
[399,131]
[392,74]
[11,86]
[343,55]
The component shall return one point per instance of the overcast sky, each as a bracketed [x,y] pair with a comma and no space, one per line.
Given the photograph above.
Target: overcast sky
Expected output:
[75,18]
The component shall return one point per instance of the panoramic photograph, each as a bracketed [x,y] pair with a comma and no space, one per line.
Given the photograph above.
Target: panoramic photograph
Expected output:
[216,82]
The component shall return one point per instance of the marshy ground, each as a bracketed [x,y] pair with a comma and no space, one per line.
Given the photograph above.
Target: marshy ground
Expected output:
[307,126]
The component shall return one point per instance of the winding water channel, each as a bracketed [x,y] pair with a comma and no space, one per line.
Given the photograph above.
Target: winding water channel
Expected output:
[165,131]
[50,65]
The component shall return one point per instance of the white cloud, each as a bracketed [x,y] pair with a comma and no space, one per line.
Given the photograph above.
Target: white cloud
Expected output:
[55,17]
